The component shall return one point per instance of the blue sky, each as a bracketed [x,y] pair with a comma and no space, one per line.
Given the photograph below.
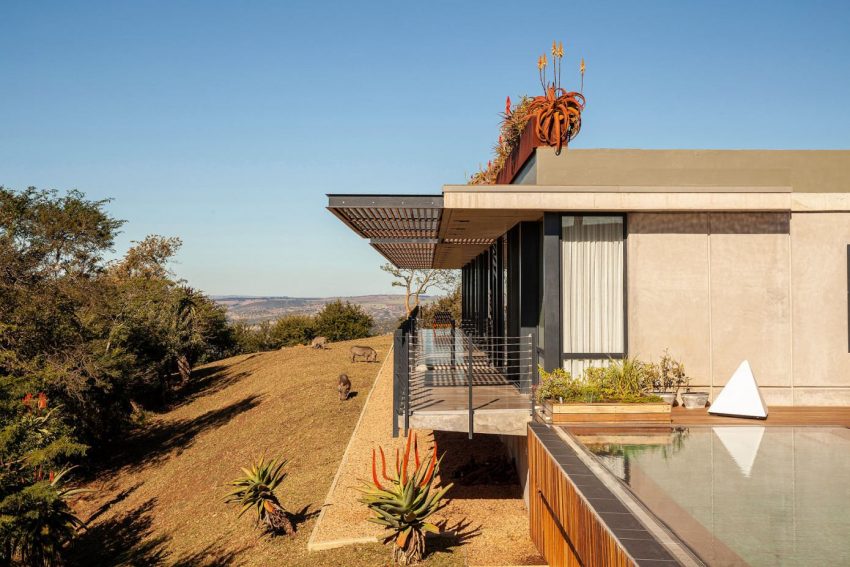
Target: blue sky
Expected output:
[226,123]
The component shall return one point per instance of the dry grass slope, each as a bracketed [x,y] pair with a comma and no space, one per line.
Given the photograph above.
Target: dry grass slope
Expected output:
[161,500]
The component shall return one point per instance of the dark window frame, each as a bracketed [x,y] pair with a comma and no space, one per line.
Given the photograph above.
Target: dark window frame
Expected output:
[614,355]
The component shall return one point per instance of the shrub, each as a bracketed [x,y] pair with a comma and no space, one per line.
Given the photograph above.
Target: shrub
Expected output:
[450,303]
[293,330]
[256,490]
[626,380]
[340,321]
[35,518]
[403,502]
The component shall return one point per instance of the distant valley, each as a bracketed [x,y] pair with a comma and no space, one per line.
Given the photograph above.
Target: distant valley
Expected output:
[386,310]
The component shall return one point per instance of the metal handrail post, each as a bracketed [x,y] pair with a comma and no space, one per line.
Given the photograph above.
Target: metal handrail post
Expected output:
[469,382]
[397,363]
[454,348]
[531,372]
[407,379]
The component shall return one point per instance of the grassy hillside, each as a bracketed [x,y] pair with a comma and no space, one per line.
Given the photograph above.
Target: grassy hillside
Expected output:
[160,501]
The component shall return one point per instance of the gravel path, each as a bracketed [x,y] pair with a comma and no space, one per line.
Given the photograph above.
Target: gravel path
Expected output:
[491,521]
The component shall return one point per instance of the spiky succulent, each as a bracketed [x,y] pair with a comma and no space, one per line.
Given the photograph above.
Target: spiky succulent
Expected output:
[403,502]
[256,490]
[37,522]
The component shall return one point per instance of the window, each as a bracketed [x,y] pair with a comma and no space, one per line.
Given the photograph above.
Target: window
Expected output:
[593,298]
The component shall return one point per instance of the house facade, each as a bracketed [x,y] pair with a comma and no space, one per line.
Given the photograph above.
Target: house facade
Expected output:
[718,256]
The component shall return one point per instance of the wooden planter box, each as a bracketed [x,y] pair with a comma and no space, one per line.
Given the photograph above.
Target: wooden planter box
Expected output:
[608,412]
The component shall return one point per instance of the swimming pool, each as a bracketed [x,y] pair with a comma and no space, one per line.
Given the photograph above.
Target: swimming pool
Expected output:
[738,495]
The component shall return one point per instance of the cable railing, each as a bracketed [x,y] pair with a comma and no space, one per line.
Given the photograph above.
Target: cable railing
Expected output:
[451,368]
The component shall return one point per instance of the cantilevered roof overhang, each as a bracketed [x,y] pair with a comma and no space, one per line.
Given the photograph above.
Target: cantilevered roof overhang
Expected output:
[403,228]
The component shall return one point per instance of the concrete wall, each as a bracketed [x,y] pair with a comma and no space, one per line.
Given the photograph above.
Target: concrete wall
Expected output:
[718,288]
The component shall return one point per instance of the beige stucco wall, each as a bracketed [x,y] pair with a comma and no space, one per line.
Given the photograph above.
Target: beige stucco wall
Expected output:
[819,296]
[718,288]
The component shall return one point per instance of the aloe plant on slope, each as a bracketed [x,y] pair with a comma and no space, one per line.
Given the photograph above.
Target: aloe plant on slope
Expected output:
[256,490]
[403,502]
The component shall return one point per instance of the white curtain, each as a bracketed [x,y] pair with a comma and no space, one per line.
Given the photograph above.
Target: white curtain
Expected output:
[592,263]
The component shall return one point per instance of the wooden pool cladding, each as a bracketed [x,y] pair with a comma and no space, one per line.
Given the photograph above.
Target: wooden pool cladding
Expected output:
[563,526]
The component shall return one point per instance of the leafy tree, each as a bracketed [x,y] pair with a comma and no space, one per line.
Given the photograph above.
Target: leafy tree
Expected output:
[417,282]
[292,330]
[91,337]
[340,321]
[257,338]
[450,303]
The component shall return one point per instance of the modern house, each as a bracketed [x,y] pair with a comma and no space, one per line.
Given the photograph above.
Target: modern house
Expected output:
[578,257]
[718,256]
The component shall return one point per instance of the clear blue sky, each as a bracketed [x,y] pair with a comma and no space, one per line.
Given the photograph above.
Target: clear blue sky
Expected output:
[226,123]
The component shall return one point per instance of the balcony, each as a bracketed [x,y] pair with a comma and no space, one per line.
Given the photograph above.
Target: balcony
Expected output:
[448,379]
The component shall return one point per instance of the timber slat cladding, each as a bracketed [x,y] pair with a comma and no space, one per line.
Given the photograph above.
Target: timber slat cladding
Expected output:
[563,526]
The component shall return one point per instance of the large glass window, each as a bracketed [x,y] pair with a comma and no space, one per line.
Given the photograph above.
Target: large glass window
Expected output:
[593,266]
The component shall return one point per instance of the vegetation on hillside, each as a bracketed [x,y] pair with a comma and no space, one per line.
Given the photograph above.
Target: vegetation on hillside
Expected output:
[85,346]
[337,321]
[450,303]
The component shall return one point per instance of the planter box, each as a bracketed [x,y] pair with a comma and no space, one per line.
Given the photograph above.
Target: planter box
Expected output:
[608,412]
[528,142]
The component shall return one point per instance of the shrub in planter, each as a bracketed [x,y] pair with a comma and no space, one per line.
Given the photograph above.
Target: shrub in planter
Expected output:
[667,376]
[625,381]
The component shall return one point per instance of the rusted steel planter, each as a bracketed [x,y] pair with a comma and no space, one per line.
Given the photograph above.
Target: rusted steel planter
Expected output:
[528,141]
[607,412]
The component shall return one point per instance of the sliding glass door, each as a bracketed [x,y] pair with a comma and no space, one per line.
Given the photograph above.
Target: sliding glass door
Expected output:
[593,296]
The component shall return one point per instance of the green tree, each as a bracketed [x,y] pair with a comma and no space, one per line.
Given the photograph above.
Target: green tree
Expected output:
[340,321]
[450,303]
[291,330]
[417,282]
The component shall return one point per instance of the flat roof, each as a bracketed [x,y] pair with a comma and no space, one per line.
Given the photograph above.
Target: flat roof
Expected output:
[449,230]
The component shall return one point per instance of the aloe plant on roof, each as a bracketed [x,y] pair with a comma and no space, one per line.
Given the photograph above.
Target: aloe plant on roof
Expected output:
[403,502]
[256,490]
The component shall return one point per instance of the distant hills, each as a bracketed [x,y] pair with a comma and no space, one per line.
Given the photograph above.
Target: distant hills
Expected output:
[386,310]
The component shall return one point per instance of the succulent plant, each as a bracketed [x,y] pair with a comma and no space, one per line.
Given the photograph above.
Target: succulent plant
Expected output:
[404,501]
[256,490]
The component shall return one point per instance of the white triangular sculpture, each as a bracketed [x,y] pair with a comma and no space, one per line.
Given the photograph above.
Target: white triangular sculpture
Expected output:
[743,444]
[740,397]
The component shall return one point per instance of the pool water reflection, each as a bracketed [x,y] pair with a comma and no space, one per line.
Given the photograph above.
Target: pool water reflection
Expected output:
[741,494]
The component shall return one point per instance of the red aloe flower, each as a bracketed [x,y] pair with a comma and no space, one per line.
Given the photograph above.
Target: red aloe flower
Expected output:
[375,472]
[405,459]
[28,400]
[416,450]
[431,467]
[508,107]
[42,400]
[383,464]
[52,475]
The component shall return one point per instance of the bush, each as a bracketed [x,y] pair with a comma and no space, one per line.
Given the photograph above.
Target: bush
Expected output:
[252,338]
[293,330]
[450,303]
[35,519]
[625,380]
[340,321]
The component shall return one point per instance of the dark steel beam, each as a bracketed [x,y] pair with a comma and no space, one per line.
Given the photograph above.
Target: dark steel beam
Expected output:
[552,329]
